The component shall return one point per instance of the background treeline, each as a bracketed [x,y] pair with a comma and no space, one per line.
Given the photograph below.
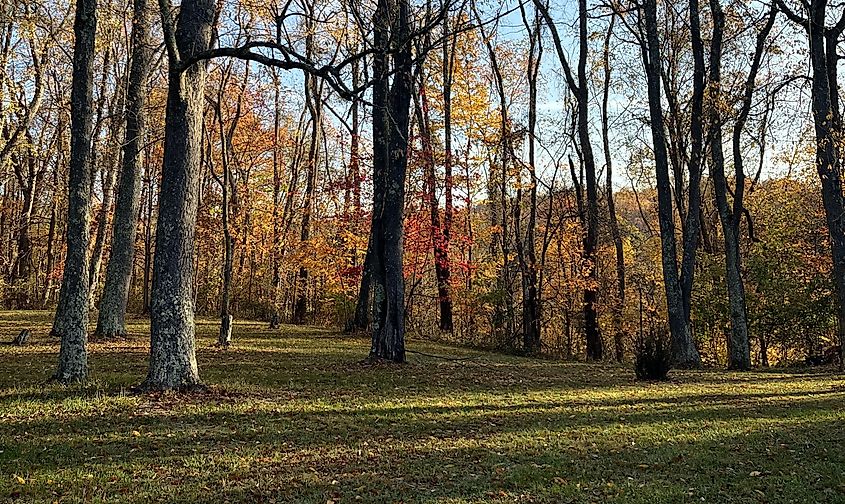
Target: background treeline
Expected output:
[532,205]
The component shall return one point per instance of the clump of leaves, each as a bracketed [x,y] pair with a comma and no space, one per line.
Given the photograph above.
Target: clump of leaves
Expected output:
[653,356]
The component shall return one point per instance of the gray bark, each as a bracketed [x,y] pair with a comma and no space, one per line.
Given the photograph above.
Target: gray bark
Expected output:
[683,348]
[71,320]
[619,301]
[112,316]
[173,363]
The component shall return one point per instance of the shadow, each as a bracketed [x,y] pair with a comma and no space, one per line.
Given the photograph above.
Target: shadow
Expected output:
[293,418]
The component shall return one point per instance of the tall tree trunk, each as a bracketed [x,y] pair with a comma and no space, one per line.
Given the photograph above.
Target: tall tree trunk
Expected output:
[117,123]
[828,128]
[277,194]
[444,274]
[173,363]
[525,247]
[111,320]
[71,320]
[580,91]
[313,102]
[684,353]
[360,317]
[29,178]
[619,300]
[224,338]
[438,241]
[595,346]
[739,348]
[392,121]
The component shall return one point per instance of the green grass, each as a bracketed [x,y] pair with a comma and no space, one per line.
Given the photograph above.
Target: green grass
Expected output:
[290,416]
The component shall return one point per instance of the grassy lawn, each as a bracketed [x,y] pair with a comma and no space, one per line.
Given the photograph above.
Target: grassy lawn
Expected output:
[291,417]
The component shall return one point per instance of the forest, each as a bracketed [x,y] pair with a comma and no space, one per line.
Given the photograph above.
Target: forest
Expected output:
[317,239]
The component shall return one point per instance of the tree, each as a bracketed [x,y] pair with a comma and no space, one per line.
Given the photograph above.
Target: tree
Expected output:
[111,320]
[173,363]
[391,118]
[314,103]
[619,300]
[71,319]
[684,352]
[739,350]
[580,91]
[827,121]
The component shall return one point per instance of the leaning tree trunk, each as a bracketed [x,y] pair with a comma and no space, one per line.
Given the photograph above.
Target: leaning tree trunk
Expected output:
[71,320]
[111,321]
[173,363]
[96,257]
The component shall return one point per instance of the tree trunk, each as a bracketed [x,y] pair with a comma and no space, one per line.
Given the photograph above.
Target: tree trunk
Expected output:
[526,252]
[173,363]
[684,353]
[102,223]
[390,128]
[619,301]
[71,320]
[22,270]
[739,348]
[827,119]
[313,102]
[277,192]
[595,346]
[224,338]
[148,242]
[445,274]
[111,321]
[51,238]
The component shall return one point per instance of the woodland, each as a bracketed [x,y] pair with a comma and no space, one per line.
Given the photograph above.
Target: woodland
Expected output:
[421,251]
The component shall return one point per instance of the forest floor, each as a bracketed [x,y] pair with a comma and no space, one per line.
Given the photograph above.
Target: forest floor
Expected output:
[290,416]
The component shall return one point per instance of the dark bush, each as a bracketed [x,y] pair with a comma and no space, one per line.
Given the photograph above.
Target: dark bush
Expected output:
[653,356]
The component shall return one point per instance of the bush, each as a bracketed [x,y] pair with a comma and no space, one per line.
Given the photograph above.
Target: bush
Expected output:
[653,356]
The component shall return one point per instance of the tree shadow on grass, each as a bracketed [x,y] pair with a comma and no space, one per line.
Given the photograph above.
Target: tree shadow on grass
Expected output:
[434,453]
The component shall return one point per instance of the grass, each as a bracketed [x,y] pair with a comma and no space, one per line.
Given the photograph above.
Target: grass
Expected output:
[291,417]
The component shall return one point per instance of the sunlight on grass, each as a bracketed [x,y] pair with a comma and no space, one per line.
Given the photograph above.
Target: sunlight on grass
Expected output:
[291,416]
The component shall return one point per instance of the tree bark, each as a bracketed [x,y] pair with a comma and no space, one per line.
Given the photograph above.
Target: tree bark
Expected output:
[739,348]
[173,363]
[111,320]
[444,274]
[684,353]
[619,301]
[392,121]
[71,320]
